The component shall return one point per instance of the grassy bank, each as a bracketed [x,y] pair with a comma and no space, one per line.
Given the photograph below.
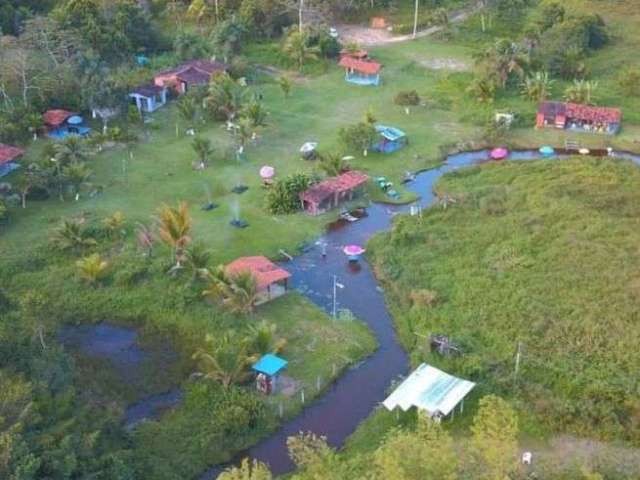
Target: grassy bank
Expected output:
[540,254]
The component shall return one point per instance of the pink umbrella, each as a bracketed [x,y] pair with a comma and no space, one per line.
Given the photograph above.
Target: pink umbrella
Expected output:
[499,153]
[353,250]
[267,172]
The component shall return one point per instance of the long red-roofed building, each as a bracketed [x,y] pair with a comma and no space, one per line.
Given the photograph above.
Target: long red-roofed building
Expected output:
[329,193]
[579,117]
[271,280]
[8,155]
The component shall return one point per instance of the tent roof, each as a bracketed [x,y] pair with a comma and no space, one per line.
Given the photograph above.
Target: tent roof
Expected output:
[270,364]
[342,183]
[390,133]
[9,153]
[264,270]
[429,389]
[367,67]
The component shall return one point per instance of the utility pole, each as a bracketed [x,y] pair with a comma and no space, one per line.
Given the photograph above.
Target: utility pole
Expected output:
[415,19]
[300,8]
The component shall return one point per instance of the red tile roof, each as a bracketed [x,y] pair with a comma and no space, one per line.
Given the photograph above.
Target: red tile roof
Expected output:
[362,66]
[264,270]
[359,54]
[55,118]
[576,111]
[342,183]
[9,153]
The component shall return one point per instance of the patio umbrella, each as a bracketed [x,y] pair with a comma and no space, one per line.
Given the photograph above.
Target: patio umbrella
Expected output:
[267,172]
[74,120]
[499,153]
[547,151]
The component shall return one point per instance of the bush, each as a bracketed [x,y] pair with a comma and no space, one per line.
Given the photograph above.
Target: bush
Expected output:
[407,98]
[284,196]
[629,81]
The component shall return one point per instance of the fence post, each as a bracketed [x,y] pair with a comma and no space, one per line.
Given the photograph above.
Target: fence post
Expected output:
[302,395]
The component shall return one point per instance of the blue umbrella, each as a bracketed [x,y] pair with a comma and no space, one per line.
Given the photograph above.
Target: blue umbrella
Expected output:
[75,120]
[547,151]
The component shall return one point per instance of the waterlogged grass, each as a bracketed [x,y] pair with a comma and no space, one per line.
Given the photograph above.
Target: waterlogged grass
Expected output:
[544,254]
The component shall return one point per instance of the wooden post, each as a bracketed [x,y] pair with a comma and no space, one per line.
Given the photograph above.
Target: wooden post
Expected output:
[302,395]
[318,382]
[415,20]
[281,409]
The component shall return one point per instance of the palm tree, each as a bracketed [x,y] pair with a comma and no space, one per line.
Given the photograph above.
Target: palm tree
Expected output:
[72,149]
[225,360]
[501,61]
[333,164]
[34,123]
[197,258]
[255,112]
[174,229]
[226,95]
[296,47]
[92,269]
[537,86]
[114,223]
[238,293]
[262,339]
[582,91]
[203,149]
[145,238]
[285,85]
[76,174]
[188,109]
[71,235]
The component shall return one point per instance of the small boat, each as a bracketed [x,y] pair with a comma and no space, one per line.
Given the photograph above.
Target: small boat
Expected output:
[499,153]
[584,151]
[408,177]
[547,151]
[353,252]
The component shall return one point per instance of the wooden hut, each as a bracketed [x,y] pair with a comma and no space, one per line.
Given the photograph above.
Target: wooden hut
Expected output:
[271,280]
[329,193]
[8,157]
[188,75]
[149,98]
[584,118]
[361,72]
[267,369]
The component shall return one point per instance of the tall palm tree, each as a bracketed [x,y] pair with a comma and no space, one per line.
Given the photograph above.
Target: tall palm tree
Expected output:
[225,360]
[174,229]
[582,91]
[501,61]
[72,149]
[203,149]
[262,339]
[92,269]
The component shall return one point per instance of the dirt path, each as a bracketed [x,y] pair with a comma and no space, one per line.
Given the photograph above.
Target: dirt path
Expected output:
[366,36]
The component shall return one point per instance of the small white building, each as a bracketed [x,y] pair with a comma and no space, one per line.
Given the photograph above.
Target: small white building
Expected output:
[149,98]
[431,390]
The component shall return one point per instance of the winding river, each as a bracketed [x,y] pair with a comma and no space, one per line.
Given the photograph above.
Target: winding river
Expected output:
[354,395]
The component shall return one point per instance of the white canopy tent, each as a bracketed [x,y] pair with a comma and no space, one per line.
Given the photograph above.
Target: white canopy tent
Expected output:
[431,390]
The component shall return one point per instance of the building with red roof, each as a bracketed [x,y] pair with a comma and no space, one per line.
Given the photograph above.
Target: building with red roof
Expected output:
[8,155]
[189,74]
[329,193]
[574,116]
[271,280]
[360,71]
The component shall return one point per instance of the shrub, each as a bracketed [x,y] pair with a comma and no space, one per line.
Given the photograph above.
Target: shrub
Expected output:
[283,197]
[629,81]
[407,98]
[423,297]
